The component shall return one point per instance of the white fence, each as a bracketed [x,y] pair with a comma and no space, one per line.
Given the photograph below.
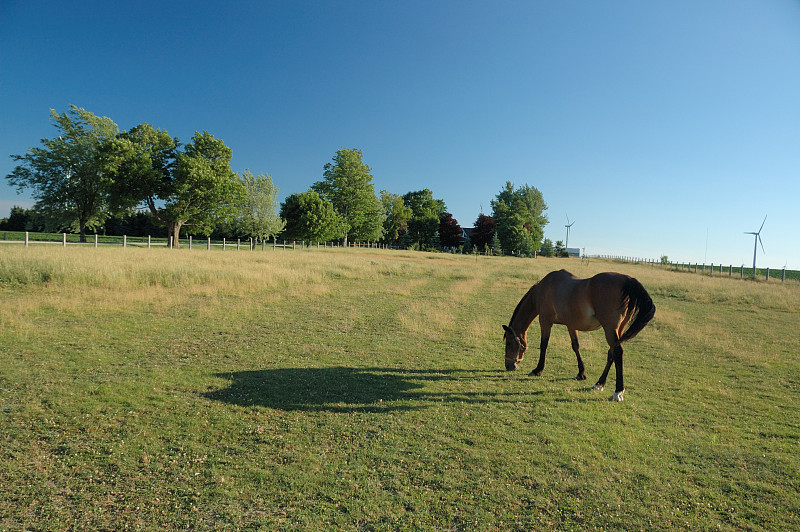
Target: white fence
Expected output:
[192,243]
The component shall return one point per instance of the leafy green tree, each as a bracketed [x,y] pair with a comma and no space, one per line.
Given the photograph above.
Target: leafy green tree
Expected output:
[309,217]
[547,249]
[347,184]
[17,220]
[257,216]
[425,214]
[66,173]
[195,187]
[519,218]
[141,163]
[560,250]
[397,216]
[424,205]
[496,248]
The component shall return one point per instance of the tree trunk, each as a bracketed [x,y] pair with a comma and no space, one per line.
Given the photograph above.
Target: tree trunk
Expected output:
[173,233]
[82,230]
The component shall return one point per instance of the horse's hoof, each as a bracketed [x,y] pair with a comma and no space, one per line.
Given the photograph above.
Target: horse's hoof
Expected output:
[599,387]
[580,377]
[535,373]
[617,397]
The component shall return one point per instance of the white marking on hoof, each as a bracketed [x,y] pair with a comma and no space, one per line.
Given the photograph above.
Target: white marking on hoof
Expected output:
[617,396]
[599,387]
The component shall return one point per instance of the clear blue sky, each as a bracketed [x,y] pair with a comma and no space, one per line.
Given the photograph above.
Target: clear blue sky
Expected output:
[659,127]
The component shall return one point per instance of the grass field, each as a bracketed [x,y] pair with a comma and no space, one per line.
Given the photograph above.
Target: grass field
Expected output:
[365,390]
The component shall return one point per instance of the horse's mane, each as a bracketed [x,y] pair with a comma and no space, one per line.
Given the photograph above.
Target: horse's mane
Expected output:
[529,293]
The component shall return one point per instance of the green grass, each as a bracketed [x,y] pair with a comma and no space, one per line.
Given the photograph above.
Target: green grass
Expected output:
[364,390]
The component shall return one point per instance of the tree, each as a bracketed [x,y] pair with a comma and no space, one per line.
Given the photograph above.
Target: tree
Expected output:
[397,216]
[547,249]
[16,221]
[347,184]
[310,217]
[519,218]
[483,232]
[257,216]
[425,214]
[424,205]
[142,163]
[450,233]
[560,250]
[195,187]
[66,173]
[496,247]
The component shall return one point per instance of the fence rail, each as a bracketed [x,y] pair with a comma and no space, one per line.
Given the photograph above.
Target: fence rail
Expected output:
[711,270]
[69,239]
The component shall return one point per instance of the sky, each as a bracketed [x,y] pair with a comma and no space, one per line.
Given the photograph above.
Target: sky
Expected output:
[659,128]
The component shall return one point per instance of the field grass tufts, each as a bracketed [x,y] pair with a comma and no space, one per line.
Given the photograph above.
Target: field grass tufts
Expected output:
[364,390]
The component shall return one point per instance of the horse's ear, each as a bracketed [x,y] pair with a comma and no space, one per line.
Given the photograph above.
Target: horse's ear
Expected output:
[506,329]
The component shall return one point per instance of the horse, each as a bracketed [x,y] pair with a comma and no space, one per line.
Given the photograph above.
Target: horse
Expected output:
[608,300]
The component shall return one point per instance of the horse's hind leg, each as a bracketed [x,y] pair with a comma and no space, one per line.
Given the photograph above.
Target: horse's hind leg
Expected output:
[615,357]
[601,382]
[573,334]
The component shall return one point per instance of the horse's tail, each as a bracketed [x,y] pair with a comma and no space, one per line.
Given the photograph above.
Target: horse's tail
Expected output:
[639,300]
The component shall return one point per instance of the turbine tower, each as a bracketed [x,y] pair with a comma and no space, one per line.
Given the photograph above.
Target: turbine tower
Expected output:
[566,244]
[757,239]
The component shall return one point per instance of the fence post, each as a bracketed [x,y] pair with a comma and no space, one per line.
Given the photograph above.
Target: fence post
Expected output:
[712,270]
[238,243]
[148,241]
[190,241]
[95,240]
[26,239]
[783,275]
[124,241]
[767,273]
[730,271]
[208,245]
[223,243]
[64,239]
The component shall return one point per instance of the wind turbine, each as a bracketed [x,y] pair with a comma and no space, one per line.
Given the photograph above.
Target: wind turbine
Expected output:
[566,245]
[755,244]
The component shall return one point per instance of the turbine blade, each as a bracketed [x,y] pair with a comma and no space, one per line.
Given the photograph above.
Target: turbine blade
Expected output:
[762,245]
[762,225]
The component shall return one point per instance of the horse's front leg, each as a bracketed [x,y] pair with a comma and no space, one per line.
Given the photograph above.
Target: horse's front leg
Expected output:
[573,334]
[545,327]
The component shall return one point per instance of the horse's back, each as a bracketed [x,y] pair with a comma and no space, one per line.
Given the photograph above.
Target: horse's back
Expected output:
[607,294]
[565,300]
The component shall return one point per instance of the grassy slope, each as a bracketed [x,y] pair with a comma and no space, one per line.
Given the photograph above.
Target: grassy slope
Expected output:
[364,389]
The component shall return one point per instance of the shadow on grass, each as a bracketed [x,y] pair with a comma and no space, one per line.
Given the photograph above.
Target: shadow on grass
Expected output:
[343,389]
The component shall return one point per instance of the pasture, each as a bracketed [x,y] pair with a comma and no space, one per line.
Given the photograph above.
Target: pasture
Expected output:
[365,390]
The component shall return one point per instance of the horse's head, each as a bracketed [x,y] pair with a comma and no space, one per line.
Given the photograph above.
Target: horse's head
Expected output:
[515,348]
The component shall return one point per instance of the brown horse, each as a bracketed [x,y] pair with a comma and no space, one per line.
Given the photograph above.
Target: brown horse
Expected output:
[607,300]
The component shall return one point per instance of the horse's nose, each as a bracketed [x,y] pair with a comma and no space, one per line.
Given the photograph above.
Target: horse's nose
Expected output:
[512,366]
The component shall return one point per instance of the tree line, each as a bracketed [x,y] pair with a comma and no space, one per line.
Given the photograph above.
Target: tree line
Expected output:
[94,178]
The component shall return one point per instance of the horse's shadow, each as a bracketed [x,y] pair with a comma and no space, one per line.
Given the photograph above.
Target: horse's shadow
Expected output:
[347,389]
